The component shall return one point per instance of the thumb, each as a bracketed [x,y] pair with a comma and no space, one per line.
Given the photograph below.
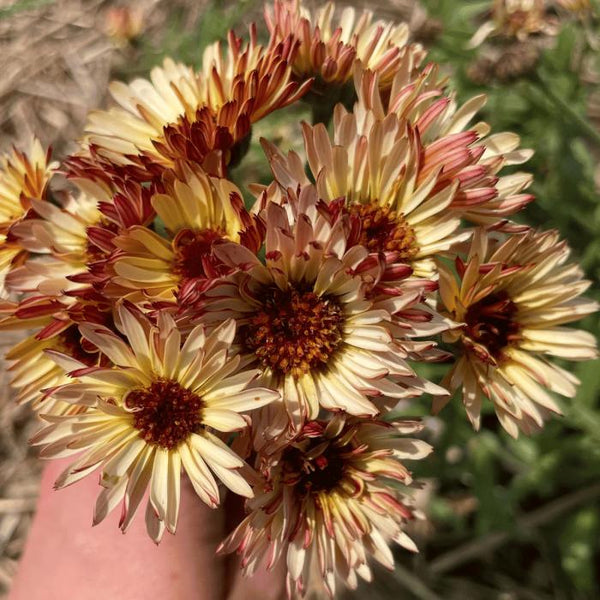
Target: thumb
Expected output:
[65,557]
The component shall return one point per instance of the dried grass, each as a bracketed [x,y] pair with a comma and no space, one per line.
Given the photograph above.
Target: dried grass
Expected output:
[19,473]
[56,61]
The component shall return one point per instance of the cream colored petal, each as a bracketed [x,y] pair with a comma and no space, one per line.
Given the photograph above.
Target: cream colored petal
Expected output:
[245,400]
[233,480]
[202,480]
[159,483]
[108,499]
[173,491]
[223,420]
[214,451]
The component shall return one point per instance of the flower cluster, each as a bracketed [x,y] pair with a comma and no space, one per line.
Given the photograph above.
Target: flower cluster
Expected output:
[178,328]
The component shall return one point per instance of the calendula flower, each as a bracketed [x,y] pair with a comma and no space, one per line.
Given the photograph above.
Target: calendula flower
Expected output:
[54,320]
[513,299]
[58,236]
[33,369]
[455,156]
[196,117]
[73,242]
[197,211]
[305,320]
[516,19]
[408,170]
[329,49]
[68,245]
[330,499]
[24,177]
[154,413]
[374,166]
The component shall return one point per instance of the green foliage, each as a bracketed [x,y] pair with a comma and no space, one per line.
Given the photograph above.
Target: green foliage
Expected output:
[577,539]
[21,6]
[187,45]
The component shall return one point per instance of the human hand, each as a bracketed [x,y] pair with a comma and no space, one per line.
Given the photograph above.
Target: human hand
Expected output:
[65,557]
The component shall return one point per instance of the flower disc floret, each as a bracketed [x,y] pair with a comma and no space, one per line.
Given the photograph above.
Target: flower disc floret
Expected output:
[318,468]
[385,230]
[295,330]
[192,248]
[493,323]
[165,413]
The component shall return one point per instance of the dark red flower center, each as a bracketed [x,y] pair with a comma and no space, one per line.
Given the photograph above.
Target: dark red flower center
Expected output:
[69,342]
[385,230]
[193,253]
[165,413]
[492,323]
[295,330]
[311,469]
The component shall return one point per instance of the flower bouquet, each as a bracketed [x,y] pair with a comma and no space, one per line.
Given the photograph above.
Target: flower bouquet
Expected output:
[260,343]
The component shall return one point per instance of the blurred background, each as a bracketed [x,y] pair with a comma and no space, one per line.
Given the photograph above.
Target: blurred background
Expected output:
[506,519]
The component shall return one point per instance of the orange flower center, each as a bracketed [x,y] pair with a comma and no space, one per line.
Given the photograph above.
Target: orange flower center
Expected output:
[491,323]
[384,230]
[165,413]
[295,330]
[193,253]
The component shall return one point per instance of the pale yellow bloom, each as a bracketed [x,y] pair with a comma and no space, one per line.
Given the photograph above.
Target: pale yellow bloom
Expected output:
[329,46]
[58,237]
[181,114]
[456,155]
[513,300]
[327,504]
[33,370]
[306,319]
[197,211]
[24,177]
[153,414]
[374,165]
